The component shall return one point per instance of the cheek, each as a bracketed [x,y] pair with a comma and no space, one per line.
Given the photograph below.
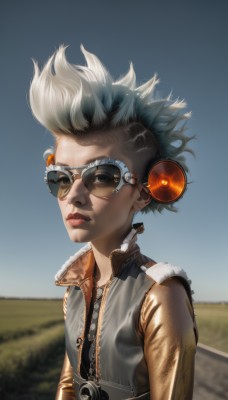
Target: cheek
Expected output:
[62,206]
[120,205]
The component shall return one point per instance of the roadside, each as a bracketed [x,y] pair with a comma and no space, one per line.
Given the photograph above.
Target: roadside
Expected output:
[211,376]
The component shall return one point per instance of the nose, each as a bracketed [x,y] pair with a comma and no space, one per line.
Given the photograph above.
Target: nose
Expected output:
[77,192]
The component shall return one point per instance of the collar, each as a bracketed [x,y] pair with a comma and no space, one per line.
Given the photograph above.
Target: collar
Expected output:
[78,268]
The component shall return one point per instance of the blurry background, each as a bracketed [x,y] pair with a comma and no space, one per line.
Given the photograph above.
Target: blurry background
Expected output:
[185,42]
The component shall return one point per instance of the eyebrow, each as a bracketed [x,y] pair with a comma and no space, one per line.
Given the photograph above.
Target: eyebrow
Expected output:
[61,164]
[87,163]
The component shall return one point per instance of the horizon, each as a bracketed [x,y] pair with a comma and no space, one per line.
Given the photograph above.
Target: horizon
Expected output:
[224,302]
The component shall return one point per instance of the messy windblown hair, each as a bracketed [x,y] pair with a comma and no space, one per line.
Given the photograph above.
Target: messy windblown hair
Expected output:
[74,99]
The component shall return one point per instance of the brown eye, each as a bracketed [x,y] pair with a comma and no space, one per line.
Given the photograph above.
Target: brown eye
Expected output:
[101,180]
[104,178]
[58,183]
[62,180]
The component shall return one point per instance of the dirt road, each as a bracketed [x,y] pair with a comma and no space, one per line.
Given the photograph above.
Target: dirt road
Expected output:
[211,377]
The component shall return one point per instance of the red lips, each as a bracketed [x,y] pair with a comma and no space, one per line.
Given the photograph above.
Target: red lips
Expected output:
[77,216]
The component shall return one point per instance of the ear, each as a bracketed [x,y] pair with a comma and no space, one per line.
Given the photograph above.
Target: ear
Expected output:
[143,199]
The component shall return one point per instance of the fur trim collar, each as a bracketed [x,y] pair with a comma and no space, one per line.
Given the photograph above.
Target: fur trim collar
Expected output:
[79,266]
[84,250]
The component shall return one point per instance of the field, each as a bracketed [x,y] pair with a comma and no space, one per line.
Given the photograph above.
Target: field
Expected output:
[32,344]
[212,321]
[31,348]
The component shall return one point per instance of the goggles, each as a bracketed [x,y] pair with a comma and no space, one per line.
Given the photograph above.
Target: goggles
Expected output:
[166,179]
[101,178]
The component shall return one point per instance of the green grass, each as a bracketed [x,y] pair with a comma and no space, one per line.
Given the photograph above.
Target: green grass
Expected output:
[25,317]
[212,321]
[43,380]
[35,376]
[22,352]
[31,333]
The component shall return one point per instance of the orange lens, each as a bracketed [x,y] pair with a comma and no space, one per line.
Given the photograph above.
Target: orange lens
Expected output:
[166,181]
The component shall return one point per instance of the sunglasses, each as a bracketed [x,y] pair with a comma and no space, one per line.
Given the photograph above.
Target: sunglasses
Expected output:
[101,178]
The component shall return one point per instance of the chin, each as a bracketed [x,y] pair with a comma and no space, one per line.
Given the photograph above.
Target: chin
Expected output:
[79,237]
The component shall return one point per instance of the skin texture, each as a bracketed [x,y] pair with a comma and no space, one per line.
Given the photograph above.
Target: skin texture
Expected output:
[110,218]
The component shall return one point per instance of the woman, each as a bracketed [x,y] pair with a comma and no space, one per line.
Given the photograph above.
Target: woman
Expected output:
[130,328]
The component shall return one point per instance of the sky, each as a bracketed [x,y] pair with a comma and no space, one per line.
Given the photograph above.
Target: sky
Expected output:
[185,43]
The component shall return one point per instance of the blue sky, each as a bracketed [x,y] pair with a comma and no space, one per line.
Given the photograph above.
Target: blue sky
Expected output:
[185,42]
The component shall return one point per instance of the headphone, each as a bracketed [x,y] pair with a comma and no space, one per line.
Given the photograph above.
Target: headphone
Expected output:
[166,181]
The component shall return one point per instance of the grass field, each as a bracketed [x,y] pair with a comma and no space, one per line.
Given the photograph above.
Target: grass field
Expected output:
[25,317]
[31,334]
[212,321]
[32,344]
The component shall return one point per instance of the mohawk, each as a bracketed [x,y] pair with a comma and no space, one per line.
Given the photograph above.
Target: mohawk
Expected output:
[72,99]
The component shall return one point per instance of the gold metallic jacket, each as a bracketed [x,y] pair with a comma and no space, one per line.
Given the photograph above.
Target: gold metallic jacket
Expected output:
[146,336]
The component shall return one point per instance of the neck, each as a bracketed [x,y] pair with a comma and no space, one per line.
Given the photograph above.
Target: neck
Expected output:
[103,269]
[102,250]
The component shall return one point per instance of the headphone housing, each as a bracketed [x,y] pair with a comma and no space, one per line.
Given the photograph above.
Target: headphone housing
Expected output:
[166,181]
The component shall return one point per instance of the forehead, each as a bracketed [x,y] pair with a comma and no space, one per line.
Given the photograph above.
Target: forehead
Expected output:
[85,148]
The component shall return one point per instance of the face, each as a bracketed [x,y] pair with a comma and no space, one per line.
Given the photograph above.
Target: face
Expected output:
[88,217]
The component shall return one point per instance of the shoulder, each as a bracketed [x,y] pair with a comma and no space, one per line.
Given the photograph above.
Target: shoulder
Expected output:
[168,302]
[162,271]
[168,309]
[171,294]
[168,277]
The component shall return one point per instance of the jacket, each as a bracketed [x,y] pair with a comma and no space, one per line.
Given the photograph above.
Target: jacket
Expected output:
[146,334]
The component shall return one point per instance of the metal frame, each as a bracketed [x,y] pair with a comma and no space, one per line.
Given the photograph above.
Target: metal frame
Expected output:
[126,177]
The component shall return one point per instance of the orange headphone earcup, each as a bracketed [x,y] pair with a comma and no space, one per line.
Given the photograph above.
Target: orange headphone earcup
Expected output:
[49,157]
[166,181]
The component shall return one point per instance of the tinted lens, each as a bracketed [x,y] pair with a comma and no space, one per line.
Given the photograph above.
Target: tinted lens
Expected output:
[101,180]
[59,183]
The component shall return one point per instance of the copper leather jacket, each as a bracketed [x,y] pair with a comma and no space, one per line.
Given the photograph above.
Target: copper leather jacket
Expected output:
[146,335]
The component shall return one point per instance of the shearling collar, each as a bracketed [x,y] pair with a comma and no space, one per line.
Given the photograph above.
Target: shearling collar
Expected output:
[78,268]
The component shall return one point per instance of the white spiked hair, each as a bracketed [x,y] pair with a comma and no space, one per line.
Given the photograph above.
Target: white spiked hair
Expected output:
[72,99]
